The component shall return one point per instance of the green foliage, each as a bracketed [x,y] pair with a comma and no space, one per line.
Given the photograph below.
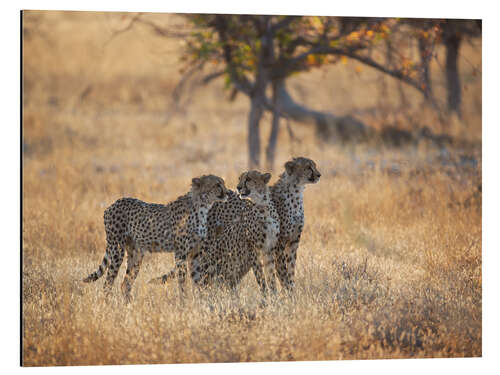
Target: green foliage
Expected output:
[299,44]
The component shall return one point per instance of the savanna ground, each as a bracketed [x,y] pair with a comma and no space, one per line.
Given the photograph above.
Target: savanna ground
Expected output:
[389,265]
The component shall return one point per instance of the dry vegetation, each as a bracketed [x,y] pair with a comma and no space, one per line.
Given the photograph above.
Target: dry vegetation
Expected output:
[390,261]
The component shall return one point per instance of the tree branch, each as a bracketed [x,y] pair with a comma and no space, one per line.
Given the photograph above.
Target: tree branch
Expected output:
[210,77]
[284,23]
[130,25]
[351,53]
[239,81]
[285,67]
[177,91]
[156,28]
[163,31]
[392,72]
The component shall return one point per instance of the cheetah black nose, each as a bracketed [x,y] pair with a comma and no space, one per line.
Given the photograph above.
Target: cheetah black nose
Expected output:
[315,178]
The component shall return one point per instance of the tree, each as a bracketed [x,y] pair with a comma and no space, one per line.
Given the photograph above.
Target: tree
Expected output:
[454,32]
[450,33]
[257,54]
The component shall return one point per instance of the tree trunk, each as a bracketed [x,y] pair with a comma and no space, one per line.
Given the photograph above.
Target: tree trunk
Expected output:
[425,57]
[258,95]
[452,43]
[273,136]
[256,111]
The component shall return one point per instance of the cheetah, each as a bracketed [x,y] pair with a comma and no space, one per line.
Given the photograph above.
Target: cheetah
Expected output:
[244,241]
[287,196]
[139,227]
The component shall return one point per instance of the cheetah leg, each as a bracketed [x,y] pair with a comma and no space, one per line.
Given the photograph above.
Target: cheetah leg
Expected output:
[195,267]
[201,273]
[181,278]
[280,264]
[183,258]
[268,260]
[181,269]
[197,275]
[116,254]
[134,260]
[291,262]
[259,276]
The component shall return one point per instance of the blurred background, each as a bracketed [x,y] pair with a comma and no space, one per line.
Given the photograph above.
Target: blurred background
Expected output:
[136,104]
[255,88]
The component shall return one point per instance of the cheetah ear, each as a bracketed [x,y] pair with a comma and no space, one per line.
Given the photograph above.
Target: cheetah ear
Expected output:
[289,166]
[266,177]
[196,182]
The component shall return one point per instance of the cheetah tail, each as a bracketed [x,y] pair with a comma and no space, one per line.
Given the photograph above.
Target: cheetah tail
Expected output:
[163,279]
[100,271]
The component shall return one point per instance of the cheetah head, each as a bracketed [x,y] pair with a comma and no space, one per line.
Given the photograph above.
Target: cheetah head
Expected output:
[253,185]
[302,171]
[209,189]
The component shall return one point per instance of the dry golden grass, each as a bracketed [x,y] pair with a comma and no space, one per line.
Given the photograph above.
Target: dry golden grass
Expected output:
[390,261]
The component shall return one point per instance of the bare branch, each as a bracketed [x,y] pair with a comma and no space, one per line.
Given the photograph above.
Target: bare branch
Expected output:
[351,53]
[177,92]
[213,76]
[162,31]
[396,73]
[138,18]
[129,26]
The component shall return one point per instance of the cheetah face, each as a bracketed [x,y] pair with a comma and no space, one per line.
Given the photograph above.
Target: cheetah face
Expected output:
[302,170]
[253,186]
[209,189]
